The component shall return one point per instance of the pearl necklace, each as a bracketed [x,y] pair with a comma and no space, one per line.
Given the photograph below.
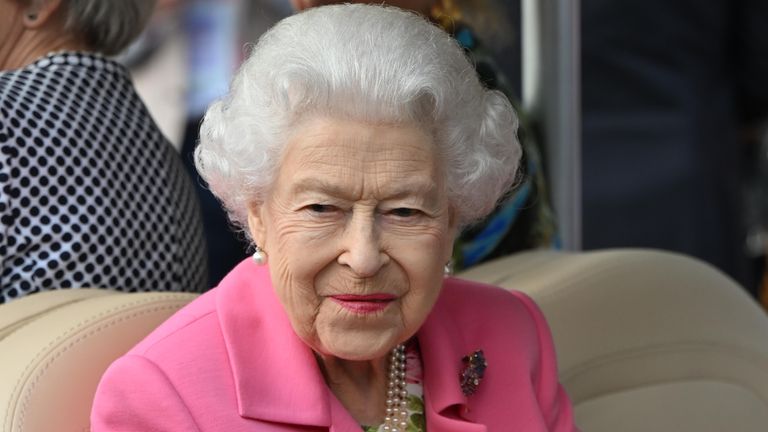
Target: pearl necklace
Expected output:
[396,416]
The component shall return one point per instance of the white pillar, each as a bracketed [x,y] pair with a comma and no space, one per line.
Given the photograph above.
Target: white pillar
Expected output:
[552,97]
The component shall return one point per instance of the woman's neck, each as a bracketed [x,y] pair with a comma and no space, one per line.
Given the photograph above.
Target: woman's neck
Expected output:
[30,46]
[359,385]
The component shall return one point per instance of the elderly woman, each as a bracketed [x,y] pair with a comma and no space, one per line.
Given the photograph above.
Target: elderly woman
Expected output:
[91,193]
[355,142]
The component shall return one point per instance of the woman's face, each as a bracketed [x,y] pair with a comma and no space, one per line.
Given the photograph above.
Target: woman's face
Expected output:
[358,228]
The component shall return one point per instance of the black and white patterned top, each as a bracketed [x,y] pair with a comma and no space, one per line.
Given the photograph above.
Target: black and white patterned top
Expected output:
[91,193]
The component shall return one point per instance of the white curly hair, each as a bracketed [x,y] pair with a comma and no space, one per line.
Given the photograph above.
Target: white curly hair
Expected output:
[375,64]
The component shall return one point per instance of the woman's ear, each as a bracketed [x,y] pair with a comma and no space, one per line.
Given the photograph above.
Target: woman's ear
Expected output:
[453,230]
[256,226]
[39,12]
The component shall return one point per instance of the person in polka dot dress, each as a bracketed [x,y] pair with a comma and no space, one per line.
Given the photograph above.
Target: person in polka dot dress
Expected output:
[91,193]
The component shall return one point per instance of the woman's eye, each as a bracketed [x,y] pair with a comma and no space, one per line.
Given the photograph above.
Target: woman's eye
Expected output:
[320,208]
[404,212]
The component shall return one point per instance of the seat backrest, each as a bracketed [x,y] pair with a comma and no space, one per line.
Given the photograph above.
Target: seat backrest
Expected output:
[648,340]
[52,363]
[31,307]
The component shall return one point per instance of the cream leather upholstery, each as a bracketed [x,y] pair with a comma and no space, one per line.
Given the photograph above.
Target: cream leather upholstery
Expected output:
[29,308]
[52,361]
[647,340]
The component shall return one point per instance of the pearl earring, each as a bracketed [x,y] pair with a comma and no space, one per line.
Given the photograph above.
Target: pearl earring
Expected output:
[259,256]
[448,269]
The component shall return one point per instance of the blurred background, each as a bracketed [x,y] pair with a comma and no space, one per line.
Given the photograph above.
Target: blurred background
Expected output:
[651,114]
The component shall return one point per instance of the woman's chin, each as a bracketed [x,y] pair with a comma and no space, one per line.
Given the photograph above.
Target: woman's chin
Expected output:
[359,345]
[353,334]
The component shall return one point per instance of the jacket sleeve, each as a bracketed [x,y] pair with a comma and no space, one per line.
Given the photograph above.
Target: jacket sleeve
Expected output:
[135,395]
[555,405]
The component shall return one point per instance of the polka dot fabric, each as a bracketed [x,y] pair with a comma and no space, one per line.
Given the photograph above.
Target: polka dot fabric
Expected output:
[91,193]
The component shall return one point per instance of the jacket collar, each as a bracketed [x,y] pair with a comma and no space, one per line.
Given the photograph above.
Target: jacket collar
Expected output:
[279,380]
[274,372]
[443,344]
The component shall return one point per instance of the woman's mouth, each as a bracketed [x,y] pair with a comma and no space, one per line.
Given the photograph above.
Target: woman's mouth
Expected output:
[364,304]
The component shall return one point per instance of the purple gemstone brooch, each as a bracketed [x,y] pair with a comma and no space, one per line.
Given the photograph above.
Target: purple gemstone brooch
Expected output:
[474,369]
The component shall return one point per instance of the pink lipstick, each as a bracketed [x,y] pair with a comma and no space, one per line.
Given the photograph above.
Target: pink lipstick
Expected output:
[364,304]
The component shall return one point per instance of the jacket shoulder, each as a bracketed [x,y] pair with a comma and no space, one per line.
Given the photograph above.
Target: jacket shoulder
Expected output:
[481,309]
[465,294]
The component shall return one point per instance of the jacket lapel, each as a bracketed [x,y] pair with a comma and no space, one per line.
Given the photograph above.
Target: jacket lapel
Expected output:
[279,381]
[443,345]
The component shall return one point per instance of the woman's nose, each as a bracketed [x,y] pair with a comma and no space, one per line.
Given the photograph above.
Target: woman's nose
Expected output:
[362,251]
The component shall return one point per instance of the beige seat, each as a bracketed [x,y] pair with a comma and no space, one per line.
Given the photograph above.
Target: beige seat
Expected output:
[60,344]
[648,341]
[29,308]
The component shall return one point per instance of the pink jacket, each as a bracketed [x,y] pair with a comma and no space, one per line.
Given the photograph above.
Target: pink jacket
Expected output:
[230,361]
